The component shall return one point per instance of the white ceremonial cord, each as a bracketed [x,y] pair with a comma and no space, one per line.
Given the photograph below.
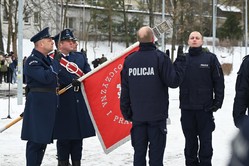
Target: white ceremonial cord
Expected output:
[70,70]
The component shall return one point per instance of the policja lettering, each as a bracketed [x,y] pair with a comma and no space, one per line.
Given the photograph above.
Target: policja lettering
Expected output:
[142,71]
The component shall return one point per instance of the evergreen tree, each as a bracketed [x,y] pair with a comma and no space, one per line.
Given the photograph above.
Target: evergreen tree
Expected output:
[231,29]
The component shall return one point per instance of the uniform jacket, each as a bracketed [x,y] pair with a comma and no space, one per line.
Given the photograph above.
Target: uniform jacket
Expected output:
[145,79]
[203,84]
[241,100]
[72,118]
[40,107]
[240,147]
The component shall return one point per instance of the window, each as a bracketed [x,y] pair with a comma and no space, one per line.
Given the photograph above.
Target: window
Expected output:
[128,1]
[36,18]
[145,1]
[73,1]
[5,16]
[70,22]
[26,18]
[94,2]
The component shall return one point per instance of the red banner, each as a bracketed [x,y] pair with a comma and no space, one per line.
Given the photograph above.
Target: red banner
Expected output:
[101,89]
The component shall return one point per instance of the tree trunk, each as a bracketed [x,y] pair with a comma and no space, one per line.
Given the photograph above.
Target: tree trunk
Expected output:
[1,37]
[110,29]
[151,15]
[125,24]
[14,35]
[10,25]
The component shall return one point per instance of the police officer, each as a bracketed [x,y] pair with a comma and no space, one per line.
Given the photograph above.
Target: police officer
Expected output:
[145,78]
[201,94]
[96,62]
[75,41]
[241,100]
[72,119]
[41,100]
[240,146]
[75,48]
[102,59]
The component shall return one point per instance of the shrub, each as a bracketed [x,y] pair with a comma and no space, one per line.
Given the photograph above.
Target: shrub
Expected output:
[227,68]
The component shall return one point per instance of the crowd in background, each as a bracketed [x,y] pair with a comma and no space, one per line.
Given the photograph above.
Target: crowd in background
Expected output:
[99,61]
[8,68]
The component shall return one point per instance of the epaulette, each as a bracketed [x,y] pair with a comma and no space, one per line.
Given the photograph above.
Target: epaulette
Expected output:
[210,53]
[130,54]
[246,57]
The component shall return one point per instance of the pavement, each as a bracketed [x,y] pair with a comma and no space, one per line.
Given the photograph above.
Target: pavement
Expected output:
[8,90]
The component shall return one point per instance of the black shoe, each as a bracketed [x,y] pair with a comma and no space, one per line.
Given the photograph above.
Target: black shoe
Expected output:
[76,162]
[64,163]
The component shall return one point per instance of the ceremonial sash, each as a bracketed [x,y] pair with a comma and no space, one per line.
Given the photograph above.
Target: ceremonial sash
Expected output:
[69,66]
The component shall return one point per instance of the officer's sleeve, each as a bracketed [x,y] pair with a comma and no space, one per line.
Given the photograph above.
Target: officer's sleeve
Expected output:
[38,71]
[240,147]
[55,66]
[180,66]
[218,82]
[241,99]
[87,67]
[125,103]
[172,74]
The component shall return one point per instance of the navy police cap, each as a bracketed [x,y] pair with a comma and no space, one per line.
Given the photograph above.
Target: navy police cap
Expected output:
[66,34]
[41,35]
[74,38]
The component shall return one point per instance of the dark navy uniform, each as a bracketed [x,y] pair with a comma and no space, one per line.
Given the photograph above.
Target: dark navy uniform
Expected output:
[241,100]
[73,122]
[41,102]
[145,79]
[240,146]
[201,93]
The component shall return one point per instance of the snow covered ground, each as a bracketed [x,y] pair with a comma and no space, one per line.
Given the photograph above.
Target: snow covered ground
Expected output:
[12,148]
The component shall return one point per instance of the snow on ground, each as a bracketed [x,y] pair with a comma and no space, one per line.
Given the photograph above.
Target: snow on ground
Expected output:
[12,148]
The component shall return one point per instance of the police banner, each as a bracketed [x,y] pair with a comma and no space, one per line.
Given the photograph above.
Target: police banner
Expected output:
[101,90]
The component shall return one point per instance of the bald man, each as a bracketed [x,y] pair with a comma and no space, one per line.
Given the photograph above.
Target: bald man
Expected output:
[41,100]
[145,79]
[201,94]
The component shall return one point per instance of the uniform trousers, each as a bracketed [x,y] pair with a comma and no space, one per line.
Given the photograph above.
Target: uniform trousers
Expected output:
[152,135]
[197,126]
[34,153]
[65,148]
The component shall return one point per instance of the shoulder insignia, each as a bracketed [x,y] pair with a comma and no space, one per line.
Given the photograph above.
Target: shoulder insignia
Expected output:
[33,62]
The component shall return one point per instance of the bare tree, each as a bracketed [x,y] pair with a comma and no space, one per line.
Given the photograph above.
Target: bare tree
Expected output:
[150,7]
[15,28]
[125,23]
[1,34]
[11,9]
[151,10]
[188,15]
[110,28]
[8,4]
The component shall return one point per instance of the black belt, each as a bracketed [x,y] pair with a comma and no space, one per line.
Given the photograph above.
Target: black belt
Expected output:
[54,90]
